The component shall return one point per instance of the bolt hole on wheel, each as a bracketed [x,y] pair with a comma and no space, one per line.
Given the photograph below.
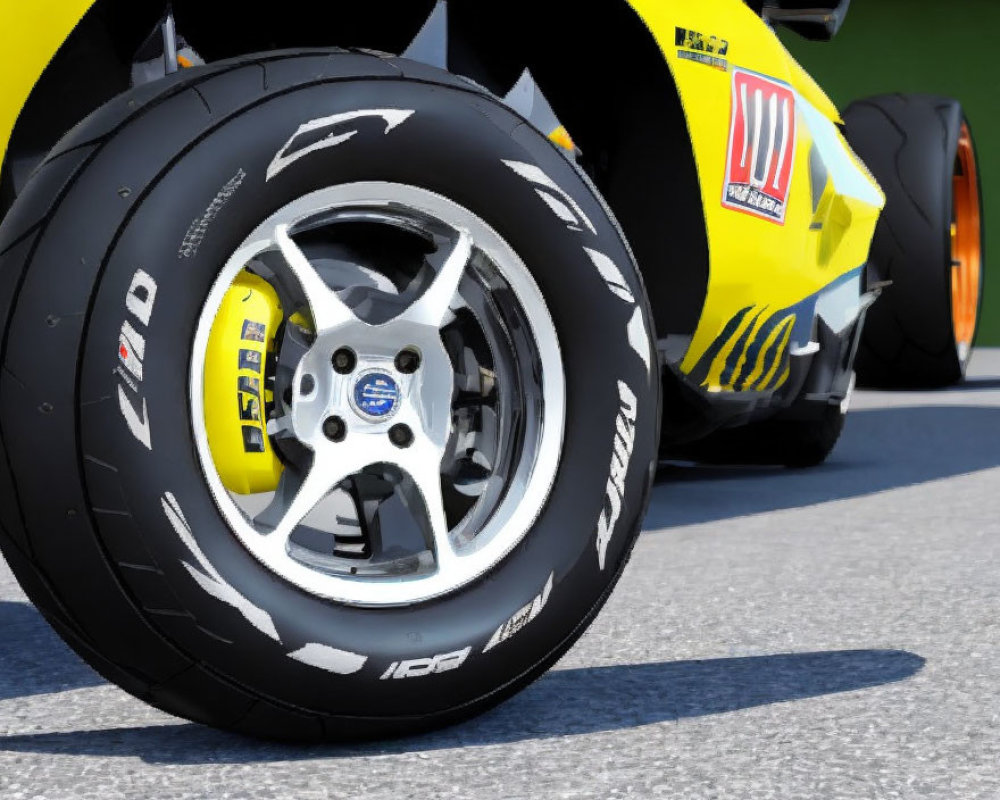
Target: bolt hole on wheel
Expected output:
[344,361]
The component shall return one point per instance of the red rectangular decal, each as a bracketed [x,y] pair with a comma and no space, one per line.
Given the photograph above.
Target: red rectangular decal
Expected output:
[761,147]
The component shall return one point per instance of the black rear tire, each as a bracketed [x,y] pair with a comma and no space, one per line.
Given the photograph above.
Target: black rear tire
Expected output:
[910,143]
[87,528]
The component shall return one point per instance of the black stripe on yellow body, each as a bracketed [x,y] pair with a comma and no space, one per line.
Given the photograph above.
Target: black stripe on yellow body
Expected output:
[748,356]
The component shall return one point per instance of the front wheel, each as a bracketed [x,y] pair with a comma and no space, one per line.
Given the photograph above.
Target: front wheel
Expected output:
[346,394]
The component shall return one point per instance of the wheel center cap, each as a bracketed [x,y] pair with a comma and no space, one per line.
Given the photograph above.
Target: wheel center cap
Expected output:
[376,395]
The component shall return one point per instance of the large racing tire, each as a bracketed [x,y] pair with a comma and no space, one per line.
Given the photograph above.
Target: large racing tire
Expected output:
[928,247]
[113,519]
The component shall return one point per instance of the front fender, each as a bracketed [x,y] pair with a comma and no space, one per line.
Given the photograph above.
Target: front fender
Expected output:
[30,35]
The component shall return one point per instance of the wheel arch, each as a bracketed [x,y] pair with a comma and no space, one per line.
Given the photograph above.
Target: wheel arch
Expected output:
[602,70]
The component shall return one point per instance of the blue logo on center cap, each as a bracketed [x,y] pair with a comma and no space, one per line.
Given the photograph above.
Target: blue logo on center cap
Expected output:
[376,395]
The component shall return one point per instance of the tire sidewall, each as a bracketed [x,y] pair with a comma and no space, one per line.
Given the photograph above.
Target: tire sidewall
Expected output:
[910,143]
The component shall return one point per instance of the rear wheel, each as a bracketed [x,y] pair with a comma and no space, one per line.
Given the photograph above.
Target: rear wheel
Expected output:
[929,242]
[332,446]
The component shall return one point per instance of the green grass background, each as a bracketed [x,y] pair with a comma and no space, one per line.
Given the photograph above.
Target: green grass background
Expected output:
[947,47]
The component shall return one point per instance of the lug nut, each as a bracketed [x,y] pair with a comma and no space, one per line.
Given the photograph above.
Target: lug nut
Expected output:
[344,361]
[401,436]
[307,385]
[408,361]
[335,429]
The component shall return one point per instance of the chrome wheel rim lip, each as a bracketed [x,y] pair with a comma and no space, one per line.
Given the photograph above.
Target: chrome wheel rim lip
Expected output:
[524,500]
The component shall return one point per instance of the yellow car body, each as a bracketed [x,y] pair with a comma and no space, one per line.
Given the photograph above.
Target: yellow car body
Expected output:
[773,268]
[30,35]
[757,264]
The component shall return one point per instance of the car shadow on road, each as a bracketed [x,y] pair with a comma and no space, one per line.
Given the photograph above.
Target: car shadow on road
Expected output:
[976,385]
[33,660]
[568,702]
[881,449]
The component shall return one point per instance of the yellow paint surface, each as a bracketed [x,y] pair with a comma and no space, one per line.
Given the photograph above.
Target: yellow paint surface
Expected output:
[31,31]
[753,261]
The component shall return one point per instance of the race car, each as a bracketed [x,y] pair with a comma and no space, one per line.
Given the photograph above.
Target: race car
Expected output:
[341,343]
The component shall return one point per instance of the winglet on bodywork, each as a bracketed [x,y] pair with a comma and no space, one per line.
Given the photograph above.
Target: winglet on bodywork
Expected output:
[431,44]
[527,99]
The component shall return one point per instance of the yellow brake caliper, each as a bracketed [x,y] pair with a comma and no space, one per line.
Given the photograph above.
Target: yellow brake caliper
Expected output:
[236,396]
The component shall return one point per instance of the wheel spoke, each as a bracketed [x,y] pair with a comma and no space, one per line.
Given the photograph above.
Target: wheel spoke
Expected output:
[422,463]
[328,310]
[429,486]
[327,471]
[431,308]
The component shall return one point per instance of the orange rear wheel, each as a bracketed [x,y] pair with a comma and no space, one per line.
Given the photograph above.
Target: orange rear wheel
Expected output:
[929,243]
[966,245]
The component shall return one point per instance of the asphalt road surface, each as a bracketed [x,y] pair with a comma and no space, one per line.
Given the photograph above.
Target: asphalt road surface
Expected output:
[832,633]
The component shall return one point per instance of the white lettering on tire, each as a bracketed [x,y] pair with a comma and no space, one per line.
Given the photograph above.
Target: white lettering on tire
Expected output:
[562,205]
[287,156]
[320,656]
[139,302]
[570,212]
[621,458]
[612,275]
[199,228]
[521,619]
[208,577]
[329,659]
[422,667]
[638,337]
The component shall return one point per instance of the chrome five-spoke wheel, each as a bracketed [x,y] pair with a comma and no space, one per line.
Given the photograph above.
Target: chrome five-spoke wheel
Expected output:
[412,393]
